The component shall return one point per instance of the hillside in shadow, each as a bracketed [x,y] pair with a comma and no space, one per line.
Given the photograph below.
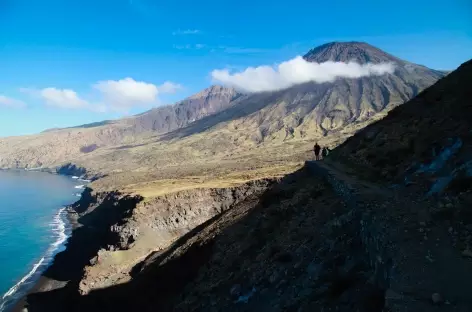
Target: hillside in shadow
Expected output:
[246,249]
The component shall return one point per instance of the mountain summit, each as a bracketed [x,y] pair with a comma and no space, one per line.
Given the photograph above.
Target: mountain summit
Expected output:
[359,52]
[312,109]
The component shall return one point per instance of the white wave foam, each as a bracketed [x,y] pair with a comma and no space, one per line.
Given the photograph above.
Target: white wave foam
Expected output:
[84,180]
[59,228]
[75,177]
[14,288]
[79,186]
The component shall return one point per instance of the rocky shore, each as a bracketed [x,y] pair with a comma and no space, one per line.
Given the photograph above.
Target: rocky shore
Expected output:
[45,283]
[113,232]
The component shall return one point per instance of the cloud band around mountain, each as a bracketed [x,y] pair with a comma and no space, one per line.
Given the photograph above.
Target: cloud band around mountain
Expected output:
[296,71]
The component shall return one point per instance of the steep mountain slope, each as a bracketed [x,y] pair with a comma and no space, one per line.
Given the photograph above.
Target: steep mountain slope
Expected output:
[432,129]
[351,100]
[164,119]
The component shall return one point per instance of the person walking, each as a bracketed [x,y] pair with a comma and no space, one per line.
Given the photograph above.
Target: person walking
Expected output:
[325,152]
[317,150]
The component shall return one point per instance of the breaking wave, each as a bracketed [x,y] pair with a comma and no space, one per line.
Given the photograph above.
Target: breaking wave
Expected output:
[60,230]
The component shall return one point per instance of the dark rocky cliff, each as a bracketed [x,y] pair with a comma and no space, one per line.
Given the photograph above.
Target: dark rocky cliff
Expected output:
[111,224]
[71,170]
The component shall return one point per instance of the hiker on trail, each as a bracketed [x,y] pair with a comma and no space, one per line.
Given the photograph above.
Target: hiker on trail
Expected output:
[317,149]
[325,152]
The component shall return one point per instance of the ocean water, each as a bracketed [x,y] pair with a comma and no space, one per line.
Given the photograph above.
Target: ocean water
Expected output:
[33,227]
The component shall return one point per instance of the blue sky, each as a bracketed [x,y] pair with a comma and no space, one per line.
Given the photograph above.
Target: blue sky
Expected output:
[64,63]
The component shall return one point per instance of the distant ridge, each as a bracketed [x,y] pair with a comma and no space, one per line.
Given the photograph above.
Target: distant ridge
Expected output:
[89,125]
[170,117]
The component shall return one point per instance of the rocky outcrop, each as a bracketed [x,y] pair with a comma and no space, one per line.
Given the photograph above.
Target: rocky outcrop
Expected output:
[177,213]
[155,223]
[114,232]
[71,169]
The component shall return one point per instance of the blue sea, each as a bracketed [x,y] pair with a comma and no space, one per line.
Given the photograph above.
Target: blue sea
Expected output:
[33,227]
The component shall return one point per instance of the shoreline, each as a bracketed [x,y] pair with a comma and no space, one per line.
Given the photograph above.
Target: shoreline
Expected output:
[43,283]
[35,281]
[67,169]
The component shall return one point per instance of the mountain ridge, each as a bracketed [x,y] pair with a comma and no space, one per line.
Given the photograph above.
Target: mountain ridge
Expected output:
[204,94]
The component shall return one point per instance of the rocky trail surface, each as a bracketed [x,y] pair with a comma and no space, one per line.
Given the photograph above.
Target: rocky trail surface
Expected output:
[416,254]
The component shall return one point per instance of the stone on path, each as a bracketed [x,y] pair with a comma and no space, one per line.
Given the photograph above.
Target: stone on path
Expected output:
[437,298]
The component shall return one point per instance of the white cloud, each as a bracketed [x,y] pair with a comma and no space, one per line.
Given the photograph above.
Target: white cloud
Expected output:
[296,71]
[63,98]
[10,102]
[127,91]
[181,32]
[114,95]
[123,94]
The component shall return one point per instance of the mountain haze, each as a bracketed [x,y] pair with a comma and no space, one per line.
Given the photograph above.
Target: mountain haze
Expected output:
[218,121]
